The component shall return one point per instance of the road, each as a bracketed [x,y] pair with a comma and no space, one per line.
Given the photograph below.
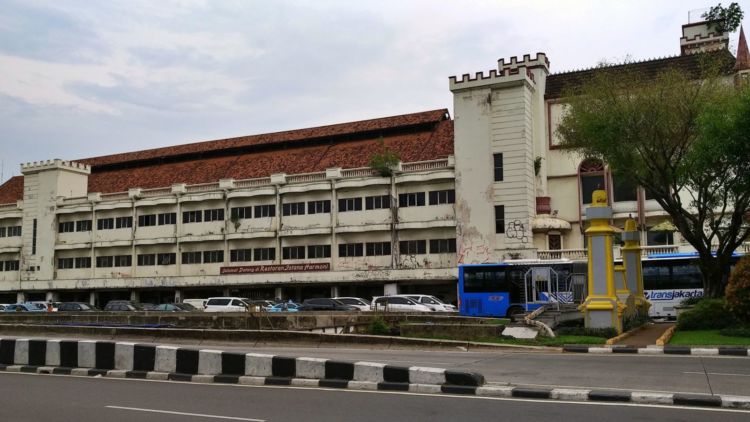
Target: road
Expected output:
[47,397]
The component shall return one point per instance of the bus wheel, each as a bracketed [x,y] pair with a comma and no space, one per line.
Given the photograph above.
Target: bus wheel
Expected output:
[515,312]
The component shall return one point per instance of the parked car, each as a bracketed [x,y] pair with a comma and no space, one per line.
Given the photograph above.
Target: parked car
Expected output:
[48,306]
[123,306]
[2,307]
[75,307]
[263,304]
[397,304]
[24,307]
[357,302]
[198,304]
[226,304]
[284,307]
[325,304]
[432,302]
[174,307]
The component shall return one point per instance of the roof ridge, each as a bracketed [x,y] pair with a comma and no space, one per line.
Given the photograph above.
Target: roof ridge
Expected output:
[586,69]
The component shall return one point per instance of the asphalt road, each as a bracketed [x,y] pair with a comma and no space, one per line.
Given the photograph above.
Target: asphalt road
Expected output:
[30,397]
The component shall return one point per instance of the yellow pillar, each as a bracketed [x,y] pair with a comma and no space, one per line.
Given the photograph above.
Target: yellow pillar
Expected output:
[631,260]
[602,308]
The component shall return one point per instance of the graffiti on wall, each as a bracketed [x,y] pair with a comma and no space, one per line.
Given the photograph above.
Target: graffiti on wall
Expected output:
[516,230]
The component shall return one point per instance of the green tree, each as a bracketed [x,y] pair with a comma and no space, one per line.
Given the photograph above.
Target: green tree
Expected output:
[686,140]
[724,19]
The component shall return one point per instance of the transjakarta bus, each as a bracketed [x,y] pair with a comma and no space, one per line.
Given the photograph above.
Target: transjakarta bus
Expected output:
[502,289]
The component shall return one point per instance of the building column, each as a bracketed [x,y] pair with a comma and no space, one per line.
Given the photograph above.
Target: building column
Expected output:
[278,293]
[92,298]
[390,289]
[177,296]
[135,295]
[20,297]
[334,291]
[51,297]
[631,259]
[225,292]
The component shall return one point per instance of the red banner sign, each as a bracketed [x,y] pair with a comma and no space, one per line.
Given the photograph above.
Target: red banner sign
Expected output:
[283,268]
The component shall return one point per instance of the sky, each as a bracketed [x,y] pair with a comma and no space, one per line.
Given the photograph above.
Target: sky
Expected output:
[81,79]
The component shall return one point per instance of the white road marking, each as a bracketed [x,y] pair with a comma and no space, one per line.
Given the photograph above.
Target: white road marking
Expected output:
[717,373]
[199,415]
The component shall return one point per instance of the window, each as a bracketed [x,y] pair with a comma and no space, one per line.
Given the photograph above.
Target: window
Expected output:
[123,260]
[262,211]
[498,162]
[554,242]
[442,197]
[104,261]
[350,204]
[191,257]
[2,231]
[146,260]
[105,224]
[377,202]
[442,245]
[591,174]
[481,280]
[147,220]
[499,218]
[413,247]
[240,255]
[350,249]
[167,258]
[83,262]
[213,256]
[318,251]
[319,207]
[293,252]
[238,213]
[64,263]
[378,248]
[216,214]
[12,265]
[293,208]
[192,217]
[167,218]
[655,238]
[14,231]
[624,190]
[264,254]
[83,225]
[415,199]
[123,222]
[66,227]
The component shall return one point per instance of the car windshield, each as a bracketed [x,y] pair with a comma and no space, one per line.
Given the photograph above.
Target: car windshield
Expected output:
[349,301]
[85,306]
[185,306]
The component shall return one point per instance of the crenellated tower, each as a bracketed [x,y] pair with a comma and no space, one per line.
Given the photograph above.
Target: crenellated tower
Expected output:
[43,184]
[499,130]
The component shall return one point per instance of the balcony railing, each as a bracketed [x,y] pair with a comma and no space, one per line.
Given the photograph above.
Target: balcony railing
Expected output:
[580,254]
[252,183]
[8,207]
[150,193]
[359,172]
[306,177]
[424,165]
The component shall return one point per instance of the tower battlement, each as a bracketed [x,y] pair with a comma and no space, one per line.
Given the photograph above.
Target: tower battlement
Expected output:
[37,166]
[513,63]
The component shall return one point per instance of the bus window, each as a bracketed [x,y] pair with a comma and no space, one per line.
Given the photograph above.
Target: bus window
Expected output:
[686,276]
[484,280]
[656,276]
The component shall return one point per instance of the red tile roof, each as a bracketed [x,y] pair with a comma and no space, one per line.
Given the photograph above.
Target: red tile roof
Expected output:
[415,137]
[743,55]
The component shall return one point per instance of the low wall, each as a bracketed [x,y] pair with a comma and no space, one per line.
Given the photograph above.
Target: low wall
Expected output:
[227,321]
[452,331]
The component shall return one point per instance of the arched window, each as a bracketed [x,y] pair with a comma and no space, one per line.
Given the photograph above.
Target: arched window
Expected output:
[591,178]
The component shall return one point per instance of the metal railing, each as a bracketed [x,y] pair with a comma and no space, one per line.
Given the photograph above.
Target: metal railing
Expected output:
[544,286]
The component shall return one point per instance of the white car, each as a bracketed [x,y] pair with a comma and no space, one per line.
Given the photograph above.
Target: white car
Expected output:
[199,304]
[226,304]
[357,302]
[432,302]
[397,304]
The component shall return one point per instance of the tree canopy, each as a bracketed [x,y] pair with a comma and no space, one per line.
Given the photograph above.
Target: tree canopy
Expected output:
[686,140]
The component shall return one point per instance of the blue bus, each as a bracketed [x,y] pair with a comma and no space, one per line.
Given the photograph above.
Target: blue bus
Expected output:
[504,289]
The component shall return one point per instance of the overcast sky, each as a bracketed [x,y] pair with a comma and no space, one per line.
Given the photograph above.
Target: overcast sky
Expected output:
[82,78]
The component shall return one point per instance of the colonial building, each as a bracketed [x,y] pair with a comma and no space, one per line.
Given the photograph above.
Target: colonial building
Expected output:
[298,214]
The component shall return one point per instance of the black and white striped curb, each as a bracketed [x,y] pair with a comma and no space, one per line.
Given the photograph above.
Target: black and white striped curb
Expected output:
[661,350]
[131,360]
[637,397]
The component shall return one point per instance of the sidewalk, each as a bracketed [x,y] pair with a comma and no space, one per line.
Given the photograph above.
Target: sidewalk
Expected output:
[646,336]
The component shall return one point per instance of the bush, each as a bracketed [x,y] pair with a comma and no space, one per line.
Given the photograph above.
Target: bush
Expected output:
[588,332]
[738,291]
[635,322]
[379,327]
[708,314]
[691,301]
